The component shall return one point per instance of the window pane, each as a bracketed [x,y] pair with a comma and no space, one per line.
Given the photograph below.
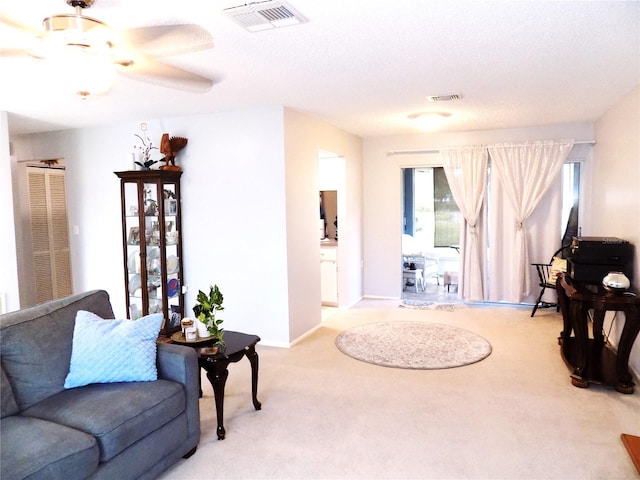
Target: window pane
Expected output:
[436,218]
[570,201]
[447,214]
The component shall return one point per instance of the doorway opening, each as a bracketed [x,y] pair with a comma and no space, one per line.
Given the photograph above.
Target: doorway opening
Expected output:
[331,186]
[430,236]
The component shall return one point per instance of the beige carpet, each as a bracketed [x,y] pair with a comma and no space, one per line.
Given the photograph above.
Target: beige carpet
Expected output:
[514,415]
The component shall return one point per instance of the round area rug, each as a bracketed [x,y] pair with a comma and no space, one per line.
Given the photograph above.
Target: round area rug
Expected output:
[415,345]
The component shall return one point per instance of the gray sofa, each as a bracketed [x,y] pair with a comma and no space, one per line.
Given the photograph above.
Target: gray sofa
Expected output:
[111,430]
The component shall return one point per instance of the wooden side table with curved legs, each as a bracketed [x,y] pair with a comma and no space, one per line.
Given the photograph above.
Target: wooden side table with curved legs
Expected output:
[592,359]
[216,362]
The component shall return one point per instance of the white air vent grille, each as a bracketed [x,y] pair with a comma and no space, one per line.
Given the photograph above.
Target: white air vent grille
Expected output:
[265,15]
[443,98]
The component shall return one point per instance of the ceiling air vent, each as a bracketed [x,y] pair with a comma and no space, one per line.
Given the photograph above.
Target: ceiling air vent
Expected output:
[443,98]
[265,15]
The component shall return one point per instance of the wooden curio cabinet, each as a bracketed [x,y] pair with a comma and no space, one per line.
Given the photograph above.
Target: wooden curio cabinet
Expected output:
[152,245]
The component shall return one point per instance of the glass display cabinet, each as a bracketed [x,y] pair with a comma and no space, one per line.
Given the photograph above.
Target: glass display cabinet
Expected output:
[152,245]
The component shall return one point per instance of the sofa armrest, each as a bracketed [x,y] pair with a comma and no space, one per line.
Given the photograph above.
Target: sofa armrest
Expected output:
[180,364]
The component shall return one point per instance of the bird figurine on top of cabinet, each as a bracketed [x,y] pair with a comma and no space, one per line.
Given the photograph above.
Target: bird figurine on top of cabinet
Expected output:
[170,148]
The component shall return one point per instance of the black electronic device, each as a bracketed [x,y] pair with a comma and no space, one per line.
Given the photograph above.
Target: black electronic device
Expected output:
[593,273]
[601,250]
[592,258]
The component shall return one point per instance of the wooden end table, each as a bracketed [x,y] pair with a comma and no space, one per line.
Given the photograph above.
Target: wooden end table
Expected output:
[216,363]
[592,359]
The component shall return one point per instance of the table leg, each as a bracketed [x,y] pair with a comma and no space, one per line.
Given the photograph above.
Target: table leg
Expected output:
[218,379]
[252,355]
[580,328]
[563,303]
[627,337]
[598,325]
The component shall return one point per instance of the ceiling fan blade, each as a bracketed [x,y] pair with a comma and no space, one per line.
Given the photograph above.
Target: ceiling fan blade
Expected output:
[152,71]
[15,52]
[163,40]
[8,22]
[19,40]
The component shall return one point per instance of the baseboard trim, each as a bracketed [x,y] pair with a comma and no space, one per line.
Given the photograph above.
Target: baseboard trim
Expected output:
[305,335]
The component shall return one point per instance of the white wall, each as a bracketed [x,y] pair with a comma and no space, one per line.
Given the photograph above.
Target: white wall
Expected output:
[305,137]
[247,224]
[383,189]
[233,209]
[615,190]
[9,273]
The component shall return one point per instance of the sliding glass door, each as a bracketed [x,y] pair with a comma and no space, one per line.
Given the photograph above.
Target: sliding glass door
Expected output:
[431,222]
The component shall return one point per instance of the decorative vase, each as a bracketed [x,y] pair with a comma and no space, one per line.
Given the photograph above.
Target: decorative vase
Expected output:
[202,329]
[616,282]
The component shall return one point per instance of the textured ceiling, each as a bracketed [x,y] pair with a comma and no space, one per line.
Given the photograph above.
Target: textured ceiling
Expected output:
[362,65]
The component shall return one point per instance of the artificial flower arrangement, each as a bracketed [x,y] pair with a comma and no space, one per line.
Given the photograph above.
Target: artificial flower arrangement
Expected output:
[206,310]
[145,150]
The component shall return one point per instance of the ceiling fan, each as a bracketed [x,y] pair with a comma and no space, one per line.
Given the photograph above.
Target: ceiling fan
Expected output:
[87,52]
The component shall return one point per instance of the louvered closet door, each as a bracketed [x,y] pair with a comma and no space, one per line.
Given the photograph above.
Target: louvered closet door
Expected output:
[49,234]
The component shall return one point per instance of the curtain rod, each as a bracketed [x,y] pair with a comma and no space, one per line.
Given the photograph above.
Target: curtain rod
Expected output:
[436,150]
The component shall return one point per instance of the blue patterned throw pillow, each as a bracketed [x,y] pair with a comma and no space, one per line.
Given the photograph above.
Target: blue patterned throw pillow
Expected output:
[106,351]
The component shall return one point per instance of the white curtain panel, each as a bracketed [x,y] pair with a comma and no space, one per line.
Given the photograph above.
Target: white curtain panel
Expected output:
[525,172]
[544,236]
[466,171]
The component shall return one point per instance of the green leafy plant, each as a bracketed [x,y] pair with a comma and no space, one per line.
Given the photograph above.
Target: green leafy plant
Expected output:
[206,310]
[147,165]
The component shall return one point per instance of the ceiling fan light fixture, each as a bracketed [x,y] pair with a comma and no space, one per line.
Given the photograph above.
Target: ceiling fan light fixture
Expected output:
[79,51]
[82,54]
[73,32]
[81,3]
[78,23]
[81,72]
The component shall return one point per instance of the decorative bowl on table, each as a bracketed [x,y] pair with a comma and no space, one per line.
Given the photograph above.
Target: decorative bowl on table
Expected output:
[616,282]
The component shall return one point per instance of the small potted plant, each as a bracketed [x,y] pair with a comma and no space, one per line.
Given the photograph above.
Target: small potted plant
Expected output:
[206,309]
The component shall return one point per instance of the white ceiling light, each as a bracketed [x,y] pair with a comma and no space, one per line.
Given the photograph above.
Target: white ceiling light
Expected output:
[429,121]
[264,15]
[77,70]
[78,51]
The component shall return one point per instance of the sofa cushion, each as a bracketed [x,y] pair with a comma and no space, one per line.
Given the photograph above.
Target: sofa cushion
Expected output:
[107,351]
[8,404]
[558,265]
[38,449]
[35,344]
[116,414]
